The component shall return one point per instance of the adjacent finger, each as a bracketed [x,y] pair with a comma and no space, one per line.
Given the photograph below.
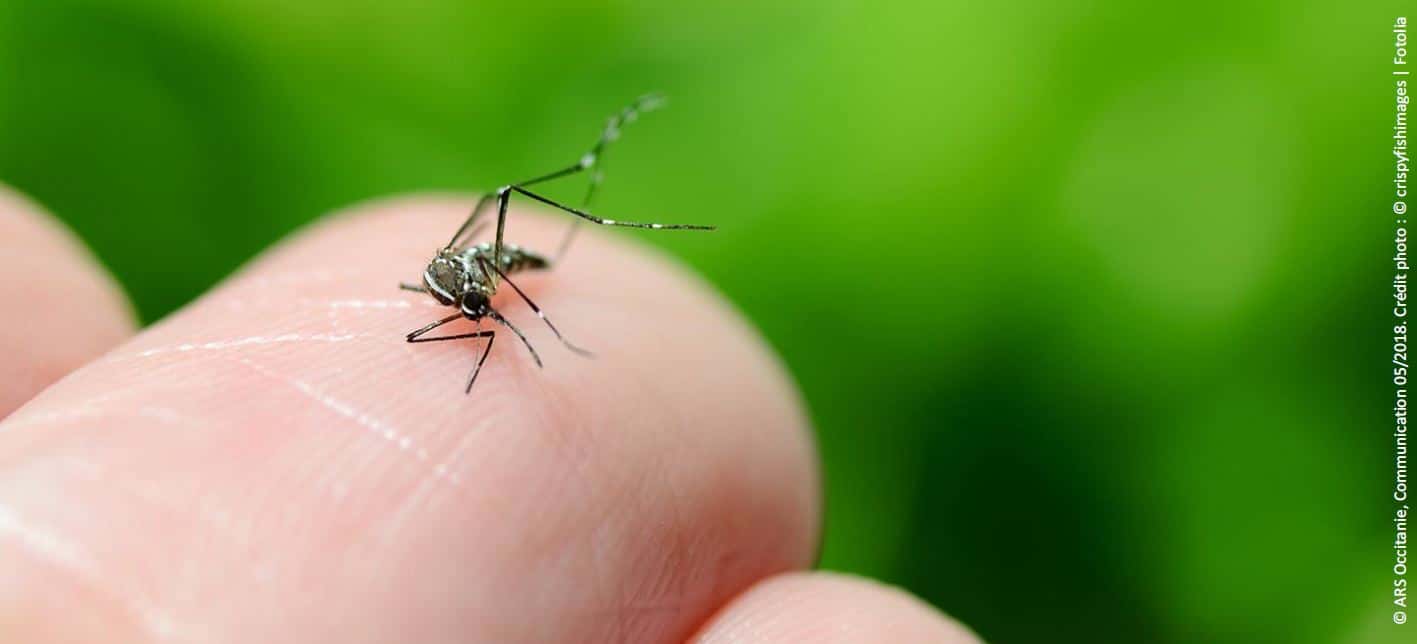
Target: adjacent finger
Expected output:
[62,308]
[276,463]
[824,608]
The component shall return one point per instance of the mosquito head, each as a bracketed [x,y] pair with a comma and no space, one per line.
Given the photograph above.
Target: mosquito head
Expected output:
[446,278]
[474,304]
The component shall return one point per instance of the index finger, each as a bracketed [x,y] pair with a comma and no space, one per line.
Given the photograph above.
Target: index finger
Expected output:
[276,461]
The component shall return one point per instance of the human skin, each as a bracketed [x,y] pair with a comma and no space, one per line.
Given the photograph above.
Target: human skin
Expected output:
[275,463]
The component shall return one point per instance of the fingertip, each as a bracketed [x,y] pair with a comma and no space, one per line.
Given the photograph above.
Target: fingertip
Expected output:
[631,493]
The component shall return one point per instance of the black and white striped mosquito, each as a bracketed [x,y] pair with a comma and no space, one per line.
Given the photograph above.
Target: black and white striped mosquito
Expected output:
[466,276]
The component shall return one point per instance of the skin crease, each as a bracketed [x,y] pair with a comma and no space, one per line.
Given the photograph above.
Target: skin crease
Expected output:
[274,463]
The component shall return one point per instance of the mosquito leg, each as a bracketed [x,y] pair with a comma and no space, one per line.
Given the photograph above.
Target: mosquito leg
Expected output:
[586,162]
[507,323]
[487,349]
[460,336]
[477,209]
[596,158]
[628,114]
[483,265]
[416,336]
[589,160]
[503,194]
[472,234]
[413,287]
[602,221]
[563,172]
[413,335]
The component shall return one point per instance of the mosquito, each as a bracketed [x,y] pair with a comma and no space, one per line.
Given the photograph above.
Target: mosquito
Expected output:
[466,276]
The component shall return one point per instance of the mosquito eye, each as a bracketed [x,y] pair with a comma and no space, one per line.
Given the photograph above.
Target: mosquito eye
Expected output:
[441,282]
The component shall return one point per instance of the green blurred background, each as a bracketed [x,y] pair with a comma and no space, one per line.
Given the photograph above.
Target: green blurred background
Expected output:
[1088,299]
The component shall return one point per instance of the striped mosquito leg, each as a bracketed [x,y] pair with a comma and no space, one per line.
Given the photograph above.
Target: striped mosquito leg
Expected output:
[507,323]
[629,114]
[491,335]
[536,309]
[417,336]
[588,161]
[611,132]
[595,159]
[471,219]
[609,222]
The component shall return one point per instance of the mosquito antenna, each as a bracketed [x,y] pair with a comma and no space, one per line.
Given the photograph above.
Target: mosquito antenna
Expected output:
[539,314]
[508,323]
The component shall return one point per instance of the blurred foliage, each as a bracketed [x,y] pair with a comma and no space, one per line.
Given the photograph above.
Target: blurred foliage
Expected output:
[1088,299]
